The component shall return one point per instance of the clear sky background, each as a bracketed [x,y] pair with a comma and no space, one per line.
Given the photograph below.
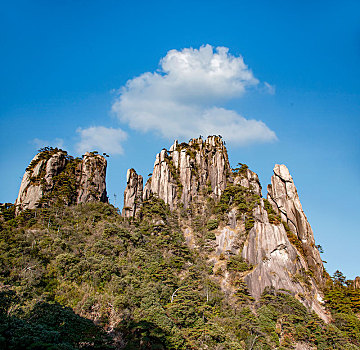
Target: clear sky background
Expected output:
[87,75]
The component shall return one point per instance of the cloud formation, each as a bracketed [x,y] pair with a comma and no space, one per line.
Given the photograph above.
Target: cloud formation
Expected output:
[101,139]
[184,98]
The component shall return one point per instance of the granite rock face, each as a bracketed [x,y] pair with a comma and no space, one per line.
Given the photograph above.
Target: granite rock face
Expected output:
[278,264]
[280,250]
[133,194]
[91,175]
[183,172]
[250,180]
[283,196]
[186,172]
[357,282]
[85,180]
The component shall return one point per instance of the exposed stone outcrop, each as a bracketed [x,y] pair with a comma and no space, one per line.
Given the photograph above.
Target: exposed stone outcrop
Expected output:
[37,178]
[186,171]
[283,196]
[54,175]
[278,264]
[133,194]
[280,251]
[248,179]
[91,175]
[356,283]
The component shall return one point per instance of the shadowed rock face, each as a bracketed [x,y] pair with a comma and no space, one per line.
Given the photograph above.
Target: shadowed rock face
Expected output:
[41,181]
[91,179]
[283,196]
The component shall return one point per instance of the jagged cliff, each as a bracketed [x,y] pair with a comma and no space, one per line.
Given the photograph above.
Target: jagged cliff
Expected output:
[187,170]
[54,176]
[272,236]
[215,267]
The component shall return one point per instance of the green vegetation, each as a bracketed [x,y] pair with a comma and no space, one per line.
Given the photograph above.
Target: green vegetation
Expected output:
[63,187]
[47,326]
[241,198]
[274,218]
[61,268]
[44,154]
[237,263]
[212,224]
[241,169]
[344,301]
[7,211]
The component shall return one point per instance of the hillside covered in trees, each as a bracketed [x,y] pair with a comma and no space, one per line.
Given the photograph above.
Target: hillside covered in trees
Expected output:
[190,267]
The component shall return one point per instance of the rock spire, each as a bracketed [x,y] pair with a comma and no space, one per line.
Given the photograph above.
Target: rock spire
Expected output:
[283,196]
[133,194]
[54,176]
[356,283]
[272,235]
[182,174]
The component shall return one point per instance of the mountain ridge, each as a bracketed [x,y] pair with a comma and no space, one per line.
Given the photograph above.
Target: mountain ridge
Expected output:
[183,174]
[195,247]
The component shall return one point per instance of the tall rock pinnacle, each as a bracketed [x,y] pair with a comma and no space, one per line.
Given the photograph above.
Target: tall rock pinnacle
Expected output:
[273,236]
[133,194]
[53,176]
[183,173]
[283,196]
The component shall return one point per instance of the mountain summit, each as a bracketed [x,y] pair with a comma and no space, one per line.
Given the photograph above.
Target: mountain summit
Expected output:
[197,259]
[54,176]
[273,235]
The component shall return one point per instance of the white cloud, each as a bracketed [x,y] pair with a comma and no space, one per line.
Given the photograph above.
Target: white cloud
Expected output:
[101,139]
[184,98]
[57,142]
[269,88]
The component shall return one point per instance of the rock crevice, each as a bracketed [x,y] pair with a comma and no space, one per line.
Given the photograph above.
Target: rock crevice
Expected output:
[282,194]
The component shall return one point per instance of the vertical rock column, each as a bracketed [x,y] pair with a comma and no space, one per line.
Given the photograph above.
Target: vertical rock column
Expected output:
[284,198]
[133,194]
[92,179]
[187,170]
[183,174]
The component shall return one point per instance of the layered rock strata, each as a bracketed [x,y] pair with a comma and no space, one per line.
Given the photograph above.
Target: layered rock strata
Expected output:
[53,175]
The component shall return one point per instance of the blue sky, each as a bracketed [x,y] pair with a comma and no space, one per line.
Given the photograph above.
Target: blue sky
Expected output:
[64,66]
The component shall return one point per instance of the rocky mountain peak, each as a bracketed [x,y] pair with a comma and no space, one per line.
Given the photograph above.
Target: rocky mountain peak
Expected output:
[183,173]
[54,176]
[283,196]
[133,194]
[272,236]
[357,282]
